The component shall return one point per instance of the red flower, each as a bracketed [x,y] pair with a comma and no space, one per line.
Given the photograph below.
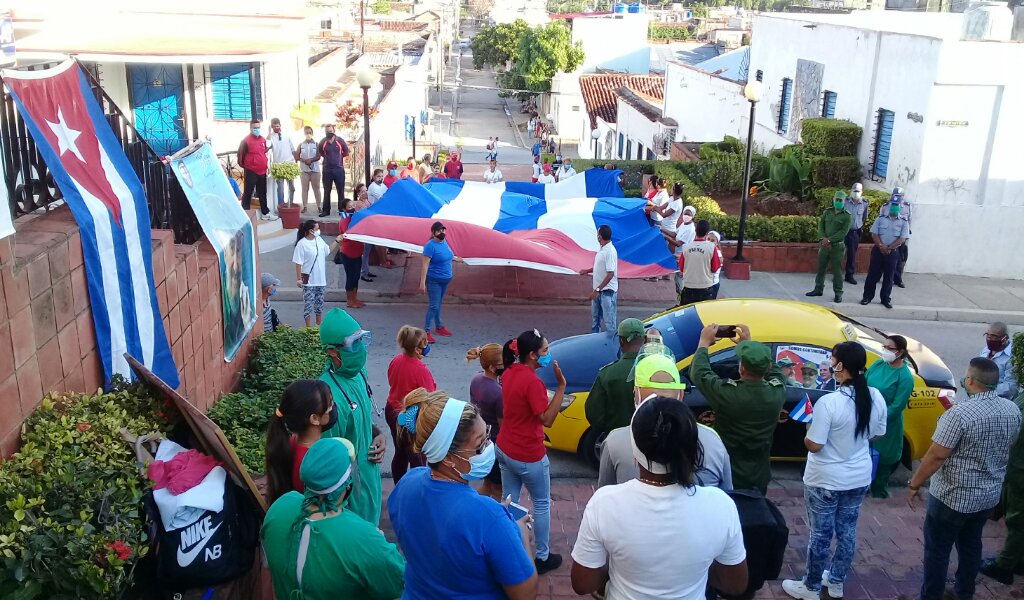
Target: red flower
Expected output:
[123,550]
[84,427]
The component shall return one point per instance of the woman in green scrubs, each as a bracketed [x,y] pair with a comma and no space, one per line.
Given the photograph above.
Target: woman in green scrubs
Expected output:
[892,376]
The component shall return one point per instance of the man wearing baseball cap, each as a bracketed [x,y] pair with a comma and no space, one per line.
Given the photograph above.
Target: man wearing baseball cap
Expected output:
[746,409]
[857,206]
[788,367]
[656,374]
[610,403]
[269,283]
[392,173]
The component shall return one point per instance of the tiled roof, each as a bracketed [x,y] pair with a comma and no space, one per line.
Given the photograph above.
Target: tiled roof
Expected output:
[599,92]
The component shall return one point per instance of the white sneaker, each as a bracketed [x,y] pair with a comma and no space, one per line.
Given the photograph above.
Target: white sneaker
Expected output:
[272,217]
[797,589]
[835,590]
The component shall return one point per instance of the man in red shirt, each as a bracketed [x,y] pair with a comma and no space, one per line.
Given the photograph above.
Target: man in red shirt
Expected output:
[392,174]
[698,262]
[453,168]
[410,171]
[252,155]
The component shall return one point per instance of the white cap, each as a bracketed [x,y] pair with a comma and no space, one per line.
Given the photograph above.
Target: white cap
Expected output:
[691,210]
[858,187]
[717,235]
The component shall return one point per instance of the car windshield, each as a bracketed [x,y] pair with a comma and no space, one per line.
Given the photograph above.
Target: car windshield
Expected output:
[680,331]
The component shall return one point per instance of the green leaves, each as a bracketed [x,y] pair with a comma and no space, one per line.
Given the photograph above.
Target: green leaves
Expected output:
[830,137]
[535,54]
[789,174]
[497,45]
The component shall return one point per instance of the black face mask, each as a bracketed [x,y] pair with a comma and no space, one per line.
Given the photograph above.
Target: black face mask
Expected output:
[499,372]
[333,419]
[440,237]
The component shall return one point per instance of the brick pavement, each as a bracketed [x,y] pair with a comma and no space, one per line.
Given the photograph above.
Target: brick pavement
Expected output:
[890,544]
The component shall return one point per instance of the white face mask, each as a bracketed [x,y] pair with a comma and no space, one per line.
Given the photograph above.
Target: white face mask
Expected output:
[888,356]
[856,195]
[687,219]
[316,233]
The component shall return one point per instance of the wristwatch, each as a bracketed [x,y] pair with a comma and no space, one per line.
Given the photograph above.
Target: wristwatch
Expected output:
[911,486]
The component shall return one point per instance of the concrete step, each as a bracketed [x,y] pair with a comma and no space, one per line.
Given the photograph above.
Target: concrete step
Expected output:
[276,240]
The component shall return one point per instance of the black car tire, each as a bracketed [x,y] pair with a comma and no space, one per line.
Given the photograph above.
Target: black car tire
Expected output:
[588,447]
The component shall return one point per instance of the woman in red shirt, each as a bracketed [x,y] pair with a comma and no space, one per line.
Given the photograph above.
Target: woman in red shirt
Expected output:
[522,457]
[307,410]
[351,253]
[406,373]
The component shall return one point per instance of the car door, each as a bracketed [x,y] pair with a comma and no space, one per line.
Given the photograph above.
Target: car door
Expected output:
[789,435]
[725,364]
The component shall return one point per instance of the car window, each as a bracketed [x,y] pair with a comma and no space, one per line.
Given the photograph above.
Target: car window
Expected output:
[724,363]
[801,356]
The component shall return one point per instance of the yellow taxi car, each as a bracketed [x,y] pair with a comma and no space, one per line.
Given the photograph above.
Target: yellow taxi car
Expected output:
[796,330]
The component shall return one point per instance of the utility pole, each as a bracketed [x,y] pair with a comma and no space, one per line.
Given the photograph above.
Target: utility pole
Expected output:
[362,26]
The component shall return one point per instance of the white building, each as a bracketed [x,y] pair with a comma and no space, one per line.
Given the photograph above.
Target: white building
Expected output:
[706,99]
[940,117]
[616,42]
[600,96]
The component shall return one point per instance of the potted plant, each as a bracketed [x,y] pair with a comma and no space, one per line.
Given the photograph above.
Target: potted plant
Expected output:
[287,171]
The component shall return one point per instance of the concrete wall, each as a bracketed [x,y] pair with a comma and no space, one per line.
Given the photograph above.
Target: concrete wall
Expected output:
[706,107]
[636,127]
[47,339]
[572,123]
[407,97]
[614,43]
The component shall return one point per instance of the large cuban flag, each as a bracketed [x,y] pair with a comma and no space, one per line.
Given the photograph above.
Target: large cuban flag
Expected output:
[548,227]
[109,204]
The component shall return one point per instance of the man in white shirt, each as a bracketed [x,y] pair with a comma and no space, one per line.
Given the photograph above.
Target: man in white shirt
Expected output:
[999,349]
[604,299]
[546,176]
[493,174]
[566,171]
[535,177]
[376,188]
[684,234]
[282,150]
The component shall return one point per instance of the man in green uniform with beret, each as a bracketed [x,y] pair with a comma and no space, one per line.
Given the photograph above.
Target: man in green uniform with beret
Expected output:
[1010,560]
[832,229]
[345,344]
[610,403]
[746,409]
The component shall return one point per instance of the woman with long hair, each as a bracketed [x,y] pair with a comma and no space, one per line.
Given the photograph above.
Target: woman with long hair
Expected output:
[893,378]
[838,472]
[310,258]
[406,373]
[307,410]
[661,535]
[485,394]
[458,543]
[521,452]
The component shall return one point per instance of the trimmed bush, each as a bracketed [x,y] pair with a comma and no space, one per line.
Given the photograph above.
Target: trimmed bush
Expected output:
[830,137]
[841,171]
[720,172]
[768,229]
[1018,357]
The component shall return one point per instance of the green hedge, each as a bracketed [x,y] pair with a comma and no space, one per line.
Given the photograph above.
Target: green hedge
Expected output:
[830,137]
[841,171]
[876,198]
[768,229]
[633,171]
[1018,358]
[658,31]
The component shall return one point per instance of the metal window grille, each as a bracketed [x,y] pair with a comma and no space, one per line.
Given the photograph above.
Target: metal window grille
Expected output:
[883,143]
[828,105]
[785,104]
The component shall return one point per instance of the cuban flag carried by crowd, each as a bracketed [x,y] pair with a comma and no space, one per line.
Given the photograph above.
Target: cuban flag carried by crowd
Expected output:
[549,227]
[109,204]
[802,412]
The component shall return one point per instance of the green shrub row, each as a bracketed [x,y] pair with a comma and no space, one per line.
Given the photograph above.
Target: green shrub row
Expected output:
[768,229]
[70,499]
[633,171]
[280,358]
[840,171]
[876,198]
[658,31]
[830,137]
[1018,358]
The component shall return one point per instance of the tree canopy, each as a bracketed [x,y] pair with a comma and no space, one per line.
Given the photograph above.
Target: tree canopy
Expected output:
[536,53]
[495,46]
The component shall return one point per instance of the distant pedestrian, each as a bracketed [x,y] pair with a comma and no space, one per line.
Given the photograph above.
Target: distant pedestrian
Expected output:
[426,169]
[685,233]
[716,238]
[892,377]
[889,233]
[906,214]
[485,394]
[351,254]
[536,150]
[309,157]
[392,174]
[252,155]
[406,372]
[670,211]
[966,463]
[531,125]
[437,275]
[837,474]
[567,171]
[282,150]
[833,226]
[698,263]
[376,189]
[334,151]
[546,176]
[536,166]
[999,349]
[310,258]
[609,405]
[410,171]
[268,284]
[857,206]
[551,145]
[493,173]
[604,298]
[453,168]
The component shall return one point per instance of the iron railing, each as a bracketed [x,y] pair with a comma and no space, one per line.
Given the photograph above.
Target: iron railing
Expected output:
[30,185]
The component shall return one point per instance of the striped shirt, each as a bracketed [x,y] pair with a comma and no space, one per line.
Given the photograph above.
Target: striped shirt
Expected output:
[268,320]
[980,431]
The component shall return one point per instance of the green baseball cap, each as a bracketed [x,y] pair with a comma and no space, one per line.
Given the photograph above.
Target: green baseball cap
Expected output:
[630,329]
[755,356]
[839,195]
[785,362]
[658,363]
[809,367]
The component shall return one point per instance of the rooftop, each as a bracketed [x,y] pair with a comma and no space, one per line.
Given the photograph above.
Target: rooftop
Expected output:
[945,26]
[600,96]
[732,65]
[646,105]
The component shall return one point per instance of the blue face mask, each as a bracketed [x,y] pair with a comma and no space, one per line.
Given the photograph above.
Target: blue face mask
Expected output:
[544,360]
[426,351]
[480,465]
[393,172]
[256,132]
[273,291]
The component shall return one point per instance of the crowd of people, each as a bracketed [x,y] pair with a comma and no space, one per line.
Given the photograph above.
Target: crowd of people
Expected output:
[661,523]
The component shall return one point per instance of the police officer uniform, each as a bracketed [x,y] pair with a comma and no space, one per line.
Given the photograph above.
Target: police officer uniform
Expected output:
[887,229]
[906,213]
[746,411]
[858,209]
[832,229]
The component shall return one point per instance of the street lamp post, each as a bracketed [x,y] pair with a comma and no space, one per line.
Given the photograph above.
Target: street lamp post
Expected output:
[366,78]
[752,92]
[595,135]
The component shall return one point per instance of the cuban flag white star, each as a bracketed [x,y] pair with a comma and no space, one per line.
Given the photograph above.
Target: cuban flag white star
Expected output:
[65,136]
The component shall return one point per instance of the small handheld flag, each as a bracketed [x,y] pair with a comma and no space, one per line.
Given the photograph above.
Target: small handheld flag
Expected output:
[802,412]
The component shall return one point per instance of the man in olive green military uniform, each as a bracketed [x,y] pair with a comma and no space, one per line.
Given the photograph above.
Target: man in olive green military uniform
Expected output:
[832,229]
[1010,560]
[746,409]
[610,403]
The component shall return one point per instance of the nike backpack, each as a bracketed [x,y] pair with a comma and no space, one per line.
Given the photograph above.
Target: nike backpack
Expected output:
[216,548]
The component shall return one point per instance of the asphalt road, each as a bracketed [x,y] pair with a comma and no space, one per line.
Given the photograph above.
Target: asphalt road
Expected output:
[955,343]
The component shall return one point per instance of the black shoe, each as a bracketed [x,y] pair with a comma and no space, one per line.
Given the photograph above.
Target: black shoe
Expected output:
[887,304]
[849,279]
[838,298]
[552,562]
[369,274]
[899,284]
[814,293]
[324,214]
[366,279]
[865,302]
[989,568]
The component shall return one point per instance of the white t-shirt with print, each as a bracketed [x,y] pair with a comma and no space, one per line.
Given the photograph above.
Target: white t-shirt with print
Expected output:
[312,255]
[658,542]
[845,461]
[606,261]
[492,176]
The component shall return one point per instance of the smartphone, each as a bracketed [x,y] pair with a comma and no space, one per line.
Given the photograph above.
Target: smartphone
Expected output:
[518,512]
[726,331]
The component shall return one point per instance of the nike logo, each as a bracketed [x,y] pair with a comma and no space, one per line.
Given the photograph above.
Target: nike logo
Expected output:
[197,535]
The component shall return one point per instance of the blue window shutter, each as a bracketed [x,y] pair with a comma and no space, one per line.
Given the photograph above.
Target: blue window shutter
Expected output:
[621,142]
[883,142]
[629,149]
[828,105]
[787,100]
[650,155]
[639,151]
[232,92]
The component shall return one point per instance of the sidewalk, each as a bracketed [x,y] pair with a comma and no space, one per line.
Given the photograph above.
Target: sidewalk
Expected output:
[890,544]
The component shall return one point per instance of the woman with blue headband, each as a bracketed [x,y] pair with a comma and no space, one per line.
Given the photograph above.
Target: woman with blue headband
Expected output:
[315,548]
[458,543]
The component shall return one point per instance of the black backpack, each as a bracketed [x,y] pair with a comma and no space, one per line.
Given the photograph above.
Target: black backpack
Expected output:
[765,536]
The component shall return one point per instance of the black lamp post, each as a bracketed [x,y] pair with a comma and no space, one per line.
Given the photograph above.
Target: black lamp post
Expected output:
[366,78]
[596,135]
[752,92]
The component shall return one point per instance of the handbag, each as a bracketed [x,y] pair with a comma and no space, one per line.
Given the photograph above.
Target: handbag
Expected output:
[305,276]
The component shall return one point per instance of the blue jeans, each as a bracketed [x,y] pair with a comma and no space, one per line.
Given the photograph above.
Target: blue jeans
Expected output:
[279,186]
[943,529]
[831,513]
[436,289]
[603,309]
[536,476]
[365,269]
